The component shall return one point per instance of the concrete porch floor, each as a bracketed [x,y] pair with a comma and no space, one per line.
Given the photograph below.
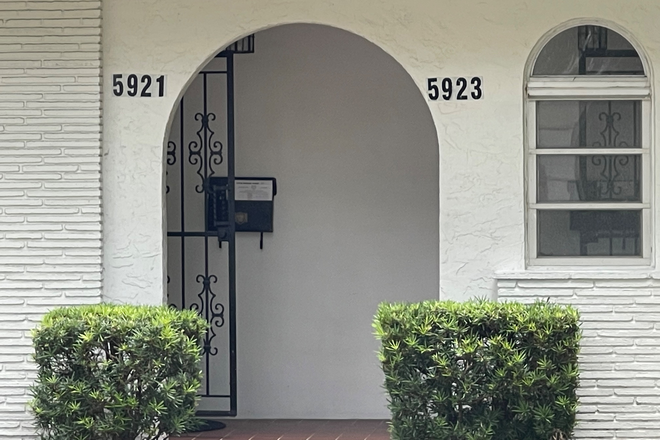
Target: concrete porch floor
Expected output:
[296,430]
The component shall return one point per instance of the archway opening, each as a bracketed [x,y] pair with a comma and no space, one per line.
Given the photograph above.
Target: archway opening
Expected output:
[350,140]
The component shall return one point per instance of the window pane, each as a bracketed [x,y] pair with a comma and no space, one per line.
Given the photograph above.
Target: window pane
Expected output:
[589,233]
[588,50]
[589,178]
[588,124]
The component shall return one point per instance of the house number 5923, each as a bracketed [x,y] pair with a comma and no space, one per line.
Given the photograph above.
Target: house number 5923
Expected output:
[459,89]
[143,86]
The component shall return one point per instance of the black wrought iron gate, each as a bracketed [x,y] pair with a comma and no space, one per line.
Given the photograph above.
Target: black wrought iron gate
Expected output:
[201,271]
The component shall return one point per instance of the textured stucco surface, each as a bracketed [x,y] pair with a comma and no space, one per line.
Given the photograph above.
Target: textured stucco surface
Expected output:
[481,143]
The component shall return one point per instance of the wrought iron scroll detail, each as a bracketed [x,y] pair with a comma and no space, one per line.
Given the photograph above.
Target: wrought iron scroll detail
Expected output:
[216,157]
[610,173]
[171,153]
[171,160]
[213,311]
[610,166]
[215,147]
[195,157]
[609,133]
[196,150]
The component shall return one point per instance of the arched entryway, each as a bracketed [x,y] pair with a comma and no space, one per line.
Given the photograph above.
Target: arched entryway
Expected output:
[349,137]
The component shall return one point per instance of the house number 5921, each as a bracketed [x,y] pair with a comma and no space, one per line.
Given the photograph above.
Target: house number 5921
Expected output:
[143,86]
[459,89]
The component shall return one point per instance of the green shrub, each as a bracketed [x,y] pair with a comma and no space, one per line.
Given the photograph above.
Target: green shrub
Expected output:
[110,372]
[480,370]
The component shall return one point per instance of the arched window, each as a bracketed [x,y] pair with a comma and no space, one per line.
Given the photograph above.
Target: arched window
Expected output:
[588,150]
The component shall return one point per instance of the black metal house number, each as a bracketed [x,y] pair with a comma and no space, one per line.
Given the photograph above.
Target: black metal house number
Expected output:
[142,86]
[459,89]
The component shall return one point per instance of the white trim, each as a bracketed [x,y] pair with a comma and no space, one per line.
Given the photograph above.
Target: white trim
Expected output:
[647,234]
[574,87]
[647,155]
[595,206]
[596,262]
[634,88]
[590,81]
[532,236]
[589,151]
[549,35]
[628,273]
[530,182]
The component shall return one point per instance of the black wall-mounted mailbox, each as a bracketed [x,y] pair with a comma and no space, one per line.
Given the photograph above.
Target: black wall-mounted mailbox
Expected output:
[253,204]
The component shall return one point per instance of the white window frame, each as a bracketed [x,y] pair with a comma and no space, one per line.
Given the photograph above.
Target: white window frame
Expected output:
[565,88]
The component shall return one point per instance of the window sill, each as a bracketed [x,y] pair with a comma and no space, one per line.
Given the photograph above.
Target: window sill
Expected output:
[562,273]
[589,264]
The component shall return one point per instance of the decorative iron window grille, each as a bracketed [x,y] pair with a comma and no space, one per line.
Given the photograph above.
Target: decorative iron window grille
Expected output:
[593,44]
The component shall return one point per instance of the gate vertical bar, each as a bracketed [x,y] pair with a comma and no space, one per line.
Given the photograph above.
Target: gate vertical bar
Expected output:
[182,141]
[206,120]
[231,177]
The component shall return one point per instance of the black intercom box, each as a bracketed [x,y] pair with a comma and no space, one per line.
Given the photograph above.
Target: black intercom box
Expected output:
[253,203]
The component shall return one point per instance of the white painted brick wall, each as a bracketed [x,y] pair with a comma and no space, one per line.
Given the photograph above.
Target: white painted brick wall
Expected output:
[50,183]
[620,355]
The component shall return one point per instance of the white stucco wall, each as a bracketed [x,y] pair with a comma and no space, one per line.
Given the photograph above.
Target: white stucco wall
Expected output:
[481,143]
[352,144]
